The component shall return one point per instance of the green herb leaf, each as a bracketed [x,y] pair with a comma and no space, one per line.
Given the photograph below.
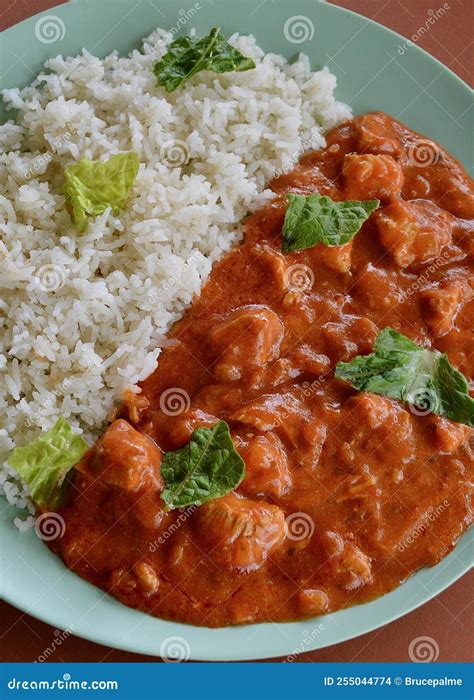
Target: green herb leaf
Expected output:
[44,463]
[316,218]
[207,467]
[187,56]
[403,370]
[93,186]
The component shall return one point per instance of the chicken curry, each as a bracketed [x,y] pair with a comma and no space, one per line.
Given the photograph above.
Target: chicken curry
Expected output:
[339,493]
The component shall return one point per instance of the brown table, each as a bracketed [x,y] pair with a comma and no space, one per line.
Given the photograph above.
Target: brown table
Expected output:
[448,618]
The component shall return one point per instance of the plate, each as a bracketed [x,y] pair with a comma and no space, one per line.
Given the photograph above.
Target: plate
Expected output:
[376,69]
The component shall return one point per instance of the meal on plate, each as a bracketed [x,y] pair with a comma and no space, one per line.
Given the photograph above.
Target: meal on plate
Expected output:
[283,435]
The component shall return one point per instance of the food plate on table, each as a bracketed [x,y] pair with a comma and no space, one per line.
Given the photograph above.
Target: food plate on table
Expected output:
[237,304]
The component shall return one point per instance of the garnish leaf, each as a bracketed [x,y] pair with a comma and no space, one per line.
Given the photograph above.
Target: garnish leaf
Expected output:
[403,370]
[93,186]
[45,462]
[316,218]
[207,467]
[187,56]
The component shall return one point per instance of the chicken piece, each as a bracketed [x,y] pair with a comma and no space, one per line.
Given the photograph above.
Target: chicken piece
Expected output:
[127,459]
[378,287]
[182,427]
[363,496]
[238,533]
[147,578]
[266,467]
[312,602]
[380,426]
[302,362]
[274,262]
[375,134]
[449,436]
[337,257]
[372,177]
[349,565]
[309,362]
[216,398]
[413,232]
[287,416]
[354,335]
[298,312]
[440,305]
[247,339]
[136,406]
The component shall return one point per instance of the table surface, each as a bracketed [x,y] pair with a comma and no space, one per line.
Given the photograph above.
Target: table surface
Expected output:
[449,618]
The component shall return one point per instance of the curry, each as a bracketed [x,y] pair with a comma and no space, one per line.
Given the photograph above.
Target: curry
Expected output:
[346,493]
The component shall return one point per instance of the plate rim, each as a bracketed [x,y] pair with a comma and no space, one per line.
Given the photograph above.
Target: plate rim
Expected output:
[457,569]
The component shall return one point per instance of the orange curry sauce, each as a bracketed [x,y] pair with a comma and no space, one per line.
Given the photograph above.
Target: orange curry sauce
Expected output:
[346,494]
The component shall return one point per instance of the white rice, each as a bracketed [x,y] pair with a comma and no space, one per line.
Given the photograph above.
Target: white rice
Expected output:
[83,316]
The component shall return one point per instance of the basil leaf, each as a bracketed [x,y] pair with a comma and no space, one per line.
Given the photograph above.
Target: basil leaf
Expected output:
[93,186]
[316,218]
[403,370]
[187,56]
[45,462]
[207,467]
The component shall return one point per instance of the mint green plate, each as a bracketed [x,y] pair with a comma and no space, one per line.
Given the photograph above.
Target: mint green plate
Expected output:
[376,70]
